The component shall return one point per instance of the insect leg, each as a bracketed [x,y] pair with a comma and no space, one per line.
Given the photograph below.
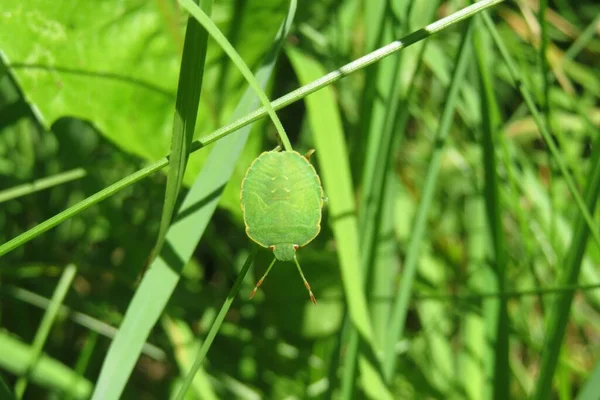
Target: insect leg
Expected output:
[312,297]
[309,153]
[260,281]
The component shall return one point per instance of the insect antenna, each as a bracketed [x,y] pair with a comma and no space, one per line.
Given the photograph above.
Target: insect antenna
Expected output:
[260,281]
[312,297]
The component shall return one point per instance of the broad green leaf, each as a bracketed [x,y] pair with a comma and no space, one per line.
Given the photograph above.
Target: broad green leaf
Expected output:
[116,63]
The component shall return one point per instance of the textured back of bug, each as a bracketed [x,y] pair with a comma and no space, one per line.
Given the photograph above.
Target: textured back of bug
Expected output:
[281,200]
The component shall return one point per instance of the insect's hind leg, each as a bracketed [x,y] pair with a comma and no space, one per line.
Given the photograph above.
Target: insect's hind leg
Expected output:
[260,281]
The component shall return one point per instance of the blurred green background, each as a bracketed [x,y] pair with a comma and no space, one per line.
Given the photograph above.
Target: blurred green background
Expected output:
[90,87]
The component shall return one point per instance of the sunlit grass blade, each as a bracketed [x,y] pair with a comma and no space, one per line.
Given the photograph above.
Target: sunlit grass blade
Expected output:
[182,238]
[490,121]
[558,316]
[334,169]
[214,31]
[41,184]
[212,333]
[48,372]
[325,122]
[281,102]
[400,308]
[44,329]
[529,100]
[186,109]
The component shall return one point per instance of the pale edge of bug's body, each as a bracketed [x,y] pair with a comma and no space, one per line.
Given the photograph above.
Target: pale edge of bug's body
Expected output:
[283,253]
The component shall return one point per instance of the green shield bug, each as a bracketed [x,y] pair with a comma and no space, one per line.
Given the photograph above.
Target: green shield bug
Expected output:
[281,201]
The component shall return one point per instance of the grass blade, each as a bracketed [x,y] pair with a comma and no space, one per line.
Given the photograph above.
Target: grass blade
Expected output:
[331,152]
[325,122]
[41,184]
[558,316]
[212,333]
[182,238]
[400,308]
[283,101]
[186,109]
[44,329]
[490,122]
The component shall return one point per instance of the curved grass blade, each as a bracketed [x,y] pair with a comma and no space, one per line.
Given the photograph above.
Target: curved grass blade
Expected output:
[212,29]
[41,184]
[182,238]
[189,88]
[44,329]
[281,102]
[212,333]
[400,308]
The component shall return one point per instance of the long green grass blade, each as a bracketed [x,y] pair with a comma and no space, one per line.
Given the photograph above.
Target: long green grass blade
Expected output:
[186,109]
[332,155]
[400,308]
[490,122]
[326,125]
[44,329]
[212,29]
[558,316]
[283,101]
[41,184]
[214,329]
[182,238]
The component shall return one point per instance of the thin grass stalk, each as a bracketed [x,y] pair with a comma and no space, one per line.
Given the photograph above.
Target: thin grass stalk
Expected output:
[41,184]
[214,329]
[528,98]
[283,101]
[490,123]
[558,317]
[44,329]
[400,308]
[186,110]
